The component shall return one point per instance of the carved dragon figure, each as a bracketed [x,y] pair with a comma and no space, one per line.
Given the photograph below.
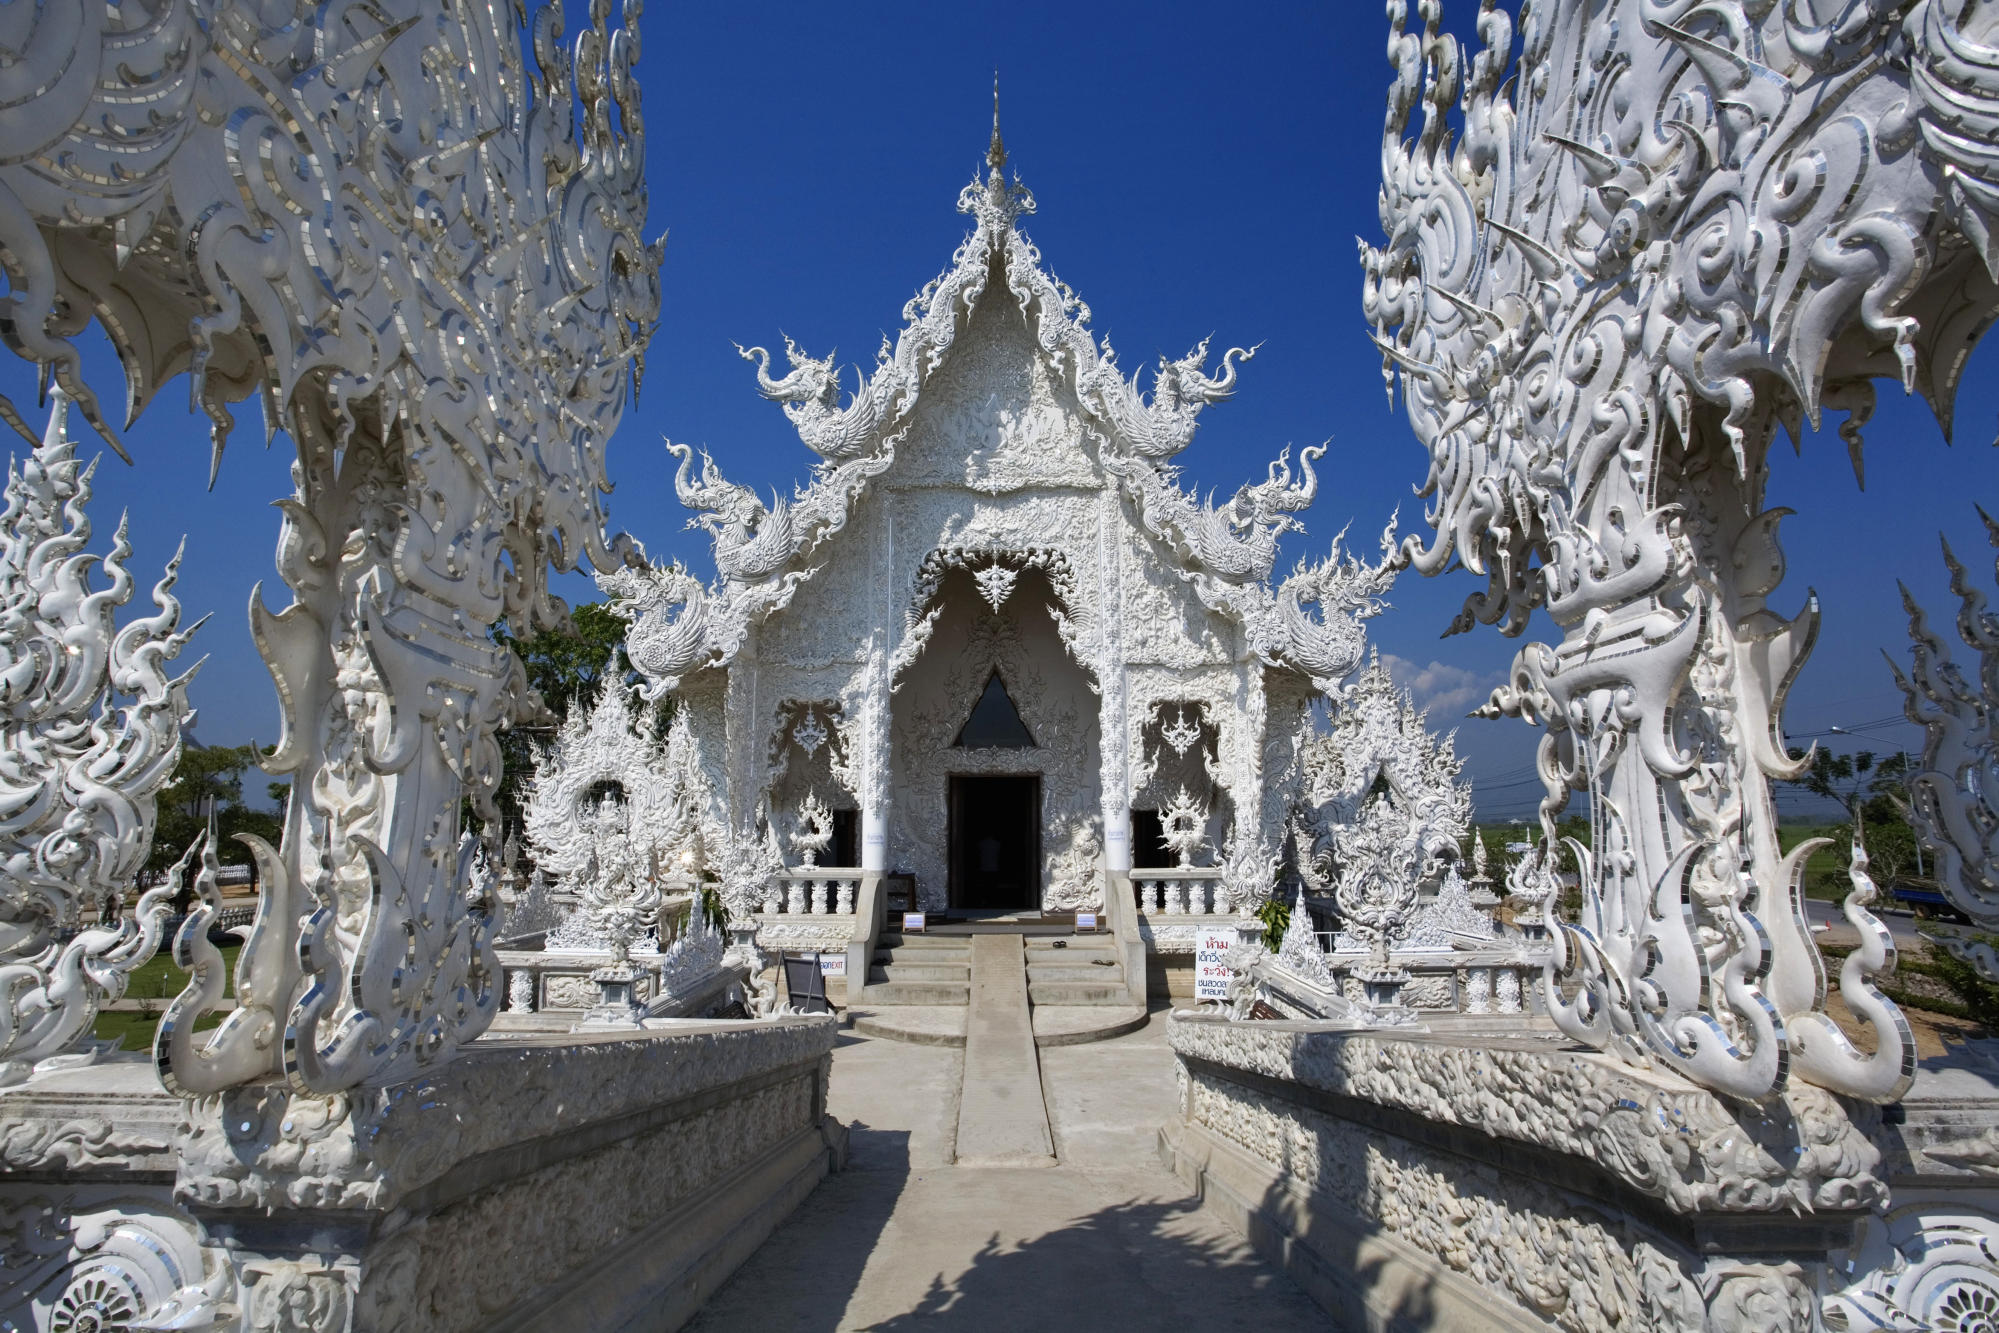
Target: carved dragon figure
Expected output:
[810,396]
[662,646]
[1159,427]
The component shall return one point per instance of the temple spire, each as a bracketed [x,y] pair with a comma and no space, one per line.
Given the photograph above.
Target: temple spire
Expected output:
[996,151]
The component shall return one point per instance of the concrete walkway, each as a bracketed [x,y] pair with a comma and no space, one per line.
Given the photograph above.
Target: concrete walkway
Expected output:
[1105,1239]
[1001,1119]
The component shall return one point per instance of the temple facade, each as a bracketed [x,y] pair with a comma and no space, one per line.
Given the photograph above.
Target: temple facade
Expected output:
[993,634]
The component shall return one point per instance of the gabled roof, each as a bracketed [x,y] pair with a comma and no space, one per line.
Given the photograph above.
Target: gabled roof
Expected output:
[1226,553]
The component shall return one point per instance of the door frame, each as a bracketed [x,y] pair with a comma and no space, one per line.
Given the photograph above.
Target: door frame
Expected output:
[953,800]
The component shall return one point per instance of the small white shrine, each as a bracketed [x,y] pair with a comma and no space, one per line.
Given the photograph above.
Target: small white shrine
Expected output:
[992,634]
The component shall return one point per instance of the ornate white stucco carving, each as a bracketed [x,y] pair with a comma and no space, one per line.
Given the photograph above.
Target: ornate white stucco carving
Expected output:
[995,418]
[84,1257]
[420,250]
[1299,952]
[1183,822]
[1931,1262]
[1449,918]
[1955,793]
[659,784]
[80,768]
[1672,229]
[814,833]
[1380,809]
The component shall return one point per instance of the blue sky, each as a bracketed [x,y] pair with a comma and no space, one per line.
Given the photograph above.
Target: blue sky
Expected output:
[1198,170]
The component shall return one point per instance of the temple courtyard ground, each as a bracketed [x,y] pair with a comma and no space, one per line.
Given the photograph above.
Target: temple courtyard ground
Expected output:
[1104,1238]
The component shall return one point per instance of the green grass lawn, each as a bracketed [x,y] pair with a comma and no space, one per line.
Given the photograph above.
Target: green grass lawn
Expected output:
[134,1030]
[159,980]
[1825,872]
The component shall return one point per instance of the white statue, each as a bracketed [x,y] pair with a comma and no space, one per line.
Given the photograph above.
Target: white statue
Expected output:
[80,771]
[1382,810]
[621,895]
[663,800]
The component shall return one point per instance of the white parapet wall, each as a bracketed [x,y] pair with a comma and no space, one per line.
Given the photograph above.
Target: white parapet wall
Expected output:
[1518,1184]
[536,1181]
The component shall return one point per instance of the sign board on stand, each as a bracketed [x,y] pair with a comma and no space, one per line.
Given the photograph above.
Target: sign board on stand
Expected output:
[1211,974]
[1086,923]
[912,923]
[832,964]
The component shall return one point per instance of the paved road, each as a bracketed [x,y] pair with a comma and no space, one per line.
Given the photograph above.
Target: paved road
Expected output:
[1902,925]
[1105,1239]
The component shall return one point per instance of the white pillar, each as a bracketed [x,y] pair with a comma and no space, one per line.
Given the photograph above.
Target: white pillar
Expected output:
[874,841]
[1117,839]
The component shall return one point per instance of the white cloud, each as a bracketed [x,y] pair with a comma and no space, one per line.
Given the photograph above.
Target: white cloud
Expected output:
[1449,692]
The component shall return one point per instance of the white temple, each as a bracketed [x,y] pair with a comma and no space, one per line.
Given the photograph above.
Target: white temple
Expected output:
[993,632]
[995,655]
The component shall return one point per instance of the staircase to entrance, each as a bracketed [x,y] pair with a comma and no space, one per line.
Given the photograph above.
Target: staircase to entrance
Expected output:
[919,986]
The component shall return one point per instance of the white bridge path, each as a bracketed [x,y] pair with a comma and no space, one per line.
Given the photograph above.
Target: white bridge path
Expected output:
[906,1238]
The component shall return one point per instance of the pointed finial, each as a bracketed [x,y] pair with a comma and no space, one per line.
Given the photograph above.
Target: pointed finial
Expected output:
[996,153]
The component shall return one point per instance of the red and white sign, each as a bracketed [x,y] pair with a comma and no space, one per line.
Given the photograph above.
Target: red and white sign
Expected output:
[1211,974]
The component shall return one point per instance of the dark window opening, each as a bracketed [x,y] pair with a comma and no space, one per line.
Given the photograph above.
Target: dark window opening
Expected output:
[846,838]
[995,723]
[1148,842]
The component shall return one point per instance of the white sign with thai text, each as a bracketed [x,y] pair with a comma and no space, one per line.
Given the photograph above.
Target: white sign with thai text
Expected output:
[1211,974]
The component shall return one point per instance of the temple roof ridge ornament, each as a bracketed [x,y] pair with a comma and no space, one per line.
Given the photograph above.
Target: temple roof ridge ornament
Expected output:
[1226,551]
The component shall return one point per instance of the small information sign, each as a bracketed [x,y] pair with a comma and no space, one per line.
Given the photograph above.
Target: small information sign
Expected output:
[1211,974]
[832,964]
[912,923]
[1086,923]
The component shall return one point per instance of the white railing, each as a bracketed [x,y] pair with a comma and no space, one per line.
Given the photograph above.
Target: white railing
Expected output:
[815,890]
[1196,891]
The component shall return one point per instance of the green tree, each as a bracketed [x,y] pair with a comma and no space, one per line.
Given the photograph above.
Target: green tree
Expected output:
[1853,781]
[1871,790]
[212,774]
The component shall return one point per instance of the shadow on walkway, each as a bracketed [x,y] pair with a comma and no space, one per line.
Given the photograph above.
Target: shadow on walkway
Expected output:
[1130,1265]
[805,1275]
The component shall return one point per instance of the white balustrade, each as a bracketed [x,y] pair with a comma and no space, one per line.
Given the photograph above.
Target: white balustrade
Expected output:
[1197,892]
[818,891]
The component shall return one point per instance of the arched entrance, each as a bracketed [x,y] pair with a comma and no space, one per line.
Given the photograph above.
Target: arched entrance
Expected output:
[994,752]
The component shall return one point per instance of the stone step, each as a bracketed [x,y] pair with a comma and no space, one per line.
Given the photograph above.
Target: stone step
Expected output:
[921,958]
[916,992]
[1089,976]
[922,1025]
[954,943]
[1075,1024]
[1077,992]
[896,971]
[1040,950]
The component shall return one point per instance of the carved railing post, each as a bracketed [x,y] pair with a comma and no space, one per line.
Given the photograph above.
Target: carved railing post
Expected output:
[1680,227]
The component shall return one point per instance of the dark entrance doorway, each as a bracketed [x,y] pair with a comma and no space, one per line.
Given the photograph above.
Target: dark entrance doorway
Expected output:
[995,843]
